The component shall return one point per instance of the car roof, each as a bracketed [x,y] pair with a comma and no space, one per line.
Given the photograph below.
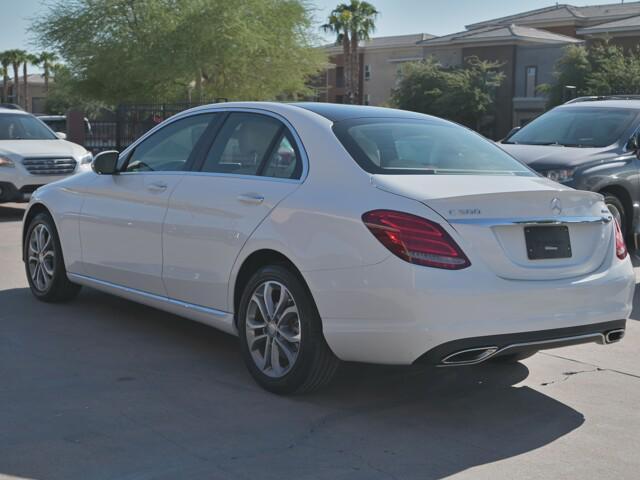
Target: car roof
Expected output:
[338,112]
[621,103]
[13,112]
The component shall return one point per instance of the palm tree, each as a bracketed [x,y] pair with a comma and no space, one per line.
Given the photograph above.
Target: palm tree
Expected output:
[47,60]
[5,61]
[27,58]
[15,59]
[352,22]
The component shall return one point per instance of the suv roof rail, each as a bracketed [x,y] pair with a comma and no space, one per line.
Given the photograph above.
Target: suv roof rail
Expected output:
[595,98]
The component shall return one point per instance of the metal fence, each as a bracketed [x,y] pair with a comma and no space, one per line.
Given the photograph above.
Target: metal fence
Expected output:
[130,122]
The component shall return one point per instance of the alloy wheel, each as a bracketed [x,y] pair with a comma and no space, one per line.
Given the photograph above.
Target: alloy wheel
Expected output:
[273,329]
[41,258]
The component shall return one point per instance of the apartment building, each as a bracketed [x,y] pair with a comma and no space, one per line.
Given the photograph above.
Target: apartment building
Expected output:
[527,45]
[36,93]
[380,61]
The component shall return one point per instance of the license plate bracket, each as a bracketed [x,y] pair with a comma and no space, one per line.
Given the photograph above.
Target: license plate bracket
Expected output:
[547,242]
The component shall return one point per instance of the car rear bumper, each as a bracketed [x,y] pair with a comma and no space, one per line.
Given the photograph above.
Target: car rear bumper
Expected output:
[396,313]
[471,351]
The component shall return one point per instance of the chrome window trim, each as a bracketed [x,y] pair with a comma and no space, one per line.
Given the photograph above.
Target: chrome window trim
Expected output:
[204,109]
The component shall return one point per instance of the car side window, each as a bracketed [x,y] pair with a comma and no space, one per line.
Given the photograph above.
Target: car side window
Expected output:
[243,143]
[168,149]
[284,161]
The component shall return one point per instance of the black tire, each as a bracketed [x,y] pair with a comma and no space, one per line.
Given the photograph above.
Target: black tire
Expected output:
[615,205]
[315,363]
[59,288]
[514,357]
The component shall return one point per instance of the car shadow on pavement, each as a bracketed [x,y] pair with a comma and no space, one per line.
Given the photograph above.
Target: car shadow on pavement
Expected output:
[11,214]
[103,387]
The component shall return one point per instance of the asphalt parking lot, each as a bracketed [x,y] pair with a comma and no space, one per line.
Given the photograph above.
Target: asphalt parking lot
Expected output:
[102,388]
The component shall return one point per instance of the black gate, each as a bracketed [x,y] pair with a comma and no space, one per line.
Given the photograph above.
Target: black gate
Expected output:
[130,122]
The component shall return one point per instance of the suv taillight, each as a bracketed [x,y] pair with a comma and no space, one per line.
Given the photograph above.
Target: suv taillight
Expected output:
[415,239]
[621,247]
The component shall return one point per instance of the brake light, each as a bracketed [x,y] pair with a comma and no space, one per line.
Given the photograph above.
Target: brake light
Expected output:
[621,247]
[415,239]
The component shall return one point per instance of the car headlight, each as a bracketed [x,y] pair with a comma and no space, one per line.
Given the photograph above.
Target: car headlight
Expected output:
[560,175]
[85,159]
[5,162]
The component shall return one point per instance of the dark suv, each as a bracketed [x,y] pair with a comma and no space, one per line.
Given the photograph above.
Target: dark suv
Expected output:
[590,143]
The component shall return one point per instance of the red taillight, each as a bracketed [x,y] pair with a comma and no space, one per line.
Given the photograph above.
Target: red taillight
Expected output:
[621,247]
[415,239]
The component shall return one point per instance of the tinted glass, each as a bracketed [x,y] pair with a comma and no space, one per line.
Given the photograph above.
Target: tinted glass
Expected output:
[576,127]
[243,144]
[284,161]
[168,149]
[23,127]
[398,146]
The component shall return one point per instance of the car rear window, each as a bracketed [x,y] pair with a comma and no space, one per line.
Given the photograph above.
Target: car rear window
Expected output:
[402,146]
[595,127]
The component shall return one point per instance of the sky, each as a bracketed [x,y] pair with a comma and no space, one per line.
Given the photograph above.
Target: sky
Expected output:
[398,17]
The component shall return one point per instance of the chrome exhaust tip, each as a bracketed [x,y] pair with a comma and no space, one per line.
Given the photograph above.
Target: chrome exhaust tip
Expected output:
[614,336]
[471,356]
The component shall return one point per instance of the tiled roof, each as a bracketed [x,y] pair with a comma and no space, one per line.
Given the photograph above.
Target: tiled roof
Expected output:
[624,25]
[610,11]
[501,33]
[392,41]
[33,78]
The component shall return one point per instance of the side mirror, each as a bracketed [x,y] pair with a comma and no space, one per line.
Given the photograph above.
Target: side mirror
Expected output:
[61,135]
[511,133]
[105,163]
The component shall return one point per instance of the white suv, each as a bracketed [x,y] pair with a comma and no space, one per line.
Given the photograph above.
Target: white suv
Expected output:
[32,155]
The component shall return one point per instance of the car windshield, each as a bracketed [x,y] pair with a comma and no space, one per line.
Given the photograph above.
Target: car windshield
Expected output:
[399,146]
[595,127]
[23,127]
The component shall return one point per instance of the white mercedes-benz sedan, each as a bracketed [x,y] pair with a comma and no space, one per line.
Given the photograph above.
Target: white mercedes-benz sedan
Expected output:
[318,233]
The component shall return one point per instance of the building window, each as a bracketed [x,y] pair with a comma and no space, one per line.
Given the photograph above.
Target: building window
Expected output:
[339,77]
[531,74]
[367,72]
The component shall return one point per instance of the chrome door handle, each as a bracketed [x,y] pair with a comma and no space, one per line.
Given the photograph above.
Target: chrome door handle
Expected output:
[157,186]
[252,198]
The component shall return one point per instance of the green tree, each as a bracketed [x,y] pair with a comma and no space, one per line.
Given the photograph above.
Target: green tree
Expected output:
[572,69]
[352,22]
[27,59]
[15,58]
[63,94]
[464,95]
[5,62]
[149,50]
[602,68]
[48,61]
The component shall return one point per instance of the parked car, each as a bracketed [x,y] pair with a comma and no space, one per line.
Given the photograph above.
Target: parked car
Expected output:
[11,106]
[31,155]
[589,144]
[58,123]
[318,232]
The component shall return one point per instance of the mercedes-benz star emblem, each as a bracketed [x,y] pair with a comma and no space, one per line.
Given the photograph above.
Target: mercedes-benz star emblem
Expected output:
[556,206]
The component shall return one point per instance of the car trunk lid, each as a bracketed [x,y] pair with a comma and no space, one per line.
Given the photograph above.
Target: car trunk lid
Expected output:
[504,221]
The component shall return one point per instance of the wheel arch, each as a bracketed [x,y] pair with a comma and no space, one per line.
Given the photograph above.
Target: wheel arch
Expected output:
[252,263]
[33,210]
[624,196]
